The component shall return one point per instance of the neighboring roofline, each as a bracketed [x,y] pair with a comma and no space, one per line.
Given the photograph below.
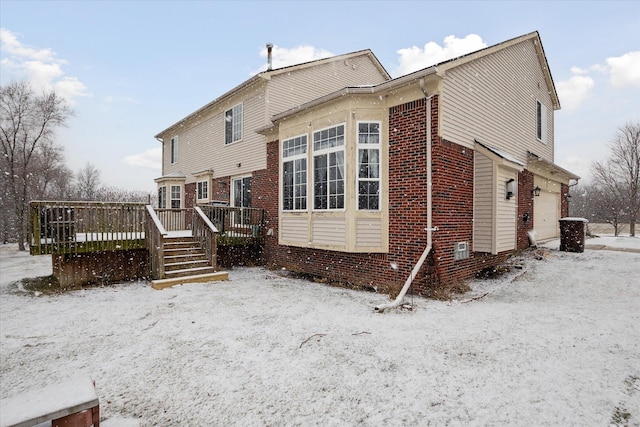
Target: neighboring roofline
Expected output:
[266,75]
[438,69]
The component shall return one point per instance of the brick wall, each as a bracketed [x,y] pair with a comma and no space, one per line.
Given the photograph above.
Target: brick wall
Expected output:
[220,189]
[525,208]
[564,200]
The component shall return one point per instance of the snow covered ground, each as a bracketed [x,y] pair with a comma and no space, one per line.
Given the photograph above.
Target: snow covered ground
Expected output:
[555,342]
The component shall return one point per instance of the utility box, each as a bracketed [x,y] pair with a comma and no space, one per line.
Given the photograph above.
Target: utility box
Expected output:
[573,232]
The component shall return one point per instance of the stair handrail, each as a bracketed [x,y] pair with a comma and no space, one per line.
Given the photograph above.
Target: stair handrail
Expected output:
[206,233]
[155,234]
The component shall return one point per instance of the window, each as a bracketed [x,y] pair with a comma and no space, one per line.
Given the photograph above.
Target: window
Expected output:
[294,173]
[174,150]
[368,166]
[328,168]
[175,197]
[233,124]
[541,122]
[241,188]
[162,198]
[203,190]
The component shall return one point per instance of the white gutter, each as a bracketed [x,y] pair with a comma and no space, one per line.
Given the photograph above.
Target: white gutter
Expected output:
[430,229]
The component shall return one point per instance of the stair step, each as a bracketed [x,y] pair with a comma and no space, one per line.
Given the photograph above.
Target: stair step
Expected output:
[196,278]
[185,265]
[188,272]
[200,256]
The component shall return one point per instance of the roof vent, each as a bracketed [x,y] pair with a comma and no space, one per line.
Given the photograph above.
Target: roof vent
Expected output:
[269,59]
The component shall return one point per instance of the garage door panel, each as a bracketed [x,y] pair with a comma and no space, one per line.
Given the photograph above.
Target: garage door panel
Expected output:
[546,213]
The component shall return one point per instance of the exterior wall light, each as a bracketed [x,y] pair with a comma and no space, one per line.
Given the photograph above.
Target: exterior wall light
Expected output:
[536,191]
[510,188]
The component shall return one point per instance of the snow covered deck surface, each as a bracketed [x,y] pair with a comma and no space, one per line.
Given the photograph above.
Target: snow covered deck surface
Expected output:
[48,403]
[98,237]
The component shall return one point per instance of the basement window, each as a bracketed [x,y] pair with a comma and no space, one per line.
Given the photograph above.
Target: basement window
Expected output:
[460,250]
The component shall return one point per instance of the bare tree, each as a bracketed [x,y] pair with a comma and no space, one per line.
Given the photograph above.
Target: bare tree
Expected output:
[27,121]
[88,182]
[619,176]
[51,179]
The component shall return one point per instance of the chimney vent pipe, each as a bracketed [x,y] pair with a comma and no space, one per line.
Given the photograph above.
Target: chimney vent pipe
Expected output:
[269,58]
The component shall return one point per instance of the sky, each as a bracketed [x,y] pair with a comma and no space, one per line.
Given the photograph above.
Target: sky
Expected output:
[130,69]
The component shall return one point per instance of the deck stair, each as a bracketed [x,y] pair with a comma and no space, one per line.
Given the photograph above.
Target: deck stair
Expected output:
[185,262]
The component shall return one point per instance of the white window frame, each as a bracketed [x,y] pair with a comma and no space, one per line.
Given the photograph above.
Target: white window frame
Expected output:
[541,122]
[162,197]
[176,195]
[330,146]
[297,156]
[233,124]
[362,143]
[202,190]
[173,150]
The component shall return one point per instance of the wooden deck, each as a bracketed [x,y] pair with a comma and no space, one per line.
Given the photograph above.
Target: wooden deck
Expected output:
[58,227]
[93,238]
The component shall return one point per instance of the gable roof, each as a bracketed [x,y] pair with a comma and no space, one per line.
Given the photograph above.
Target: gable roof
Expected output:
[439,69]
[268,74]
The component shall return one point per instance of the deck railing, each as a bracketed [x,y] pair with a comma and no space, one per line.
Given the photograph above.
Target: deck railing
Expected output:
[155,234]
[236,226]
[76,227]
[175,219]
[65,227]
[206,233]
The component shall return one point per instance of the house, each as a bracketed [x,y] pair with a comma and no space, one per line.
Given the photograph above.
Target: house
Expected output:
[368,180]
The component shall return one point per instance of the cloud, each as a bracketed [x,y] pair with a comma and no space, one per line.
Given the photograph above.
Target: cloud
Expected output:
[624,71]
[150,159]
[414,58]
[283,57]
[575,91]
[40,67]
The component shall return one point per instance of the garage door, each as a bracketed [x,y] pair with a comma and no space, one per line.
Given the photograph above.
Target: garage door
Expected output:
[546,213]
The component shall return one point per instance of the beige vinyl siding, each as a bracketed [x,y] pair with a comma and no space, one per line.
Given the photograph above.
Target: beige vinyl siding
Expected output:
[493,98]
[329,231]
[288,90]
[294,230]
[483,203]
[369,233]
[202,143]
[505,213]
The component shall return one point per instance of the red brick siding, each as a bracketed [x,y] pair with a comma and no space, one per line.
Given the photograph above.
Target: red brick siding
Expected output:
[189,195]
[219,190]
[564,200]
[525,208]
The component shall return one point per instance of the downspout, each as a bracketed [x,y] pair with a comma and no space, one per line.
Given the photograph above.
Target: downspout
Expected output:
[430,229]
